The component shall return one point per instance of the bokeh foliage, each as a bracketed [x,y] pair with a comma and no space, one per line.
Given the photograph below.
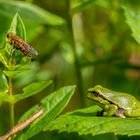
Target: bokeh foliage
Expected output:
[84,42]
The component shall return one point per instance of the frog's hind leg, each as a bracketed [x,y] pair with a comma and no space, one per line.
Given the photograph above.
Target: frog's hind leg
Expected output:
[120,113]
[110,110]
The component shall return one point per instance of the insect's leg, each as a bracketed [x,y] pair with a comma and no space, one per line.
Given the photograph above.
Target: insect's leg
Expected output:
[12,49]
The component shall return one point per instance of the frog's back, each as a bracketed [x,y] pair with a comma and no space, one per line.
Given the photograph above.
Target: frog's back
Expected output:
[123,100]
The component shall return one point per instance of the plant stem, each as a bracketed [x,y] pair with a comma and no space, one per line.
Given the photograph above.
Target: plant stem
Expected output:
[77,63]
[11,105]
[12,115]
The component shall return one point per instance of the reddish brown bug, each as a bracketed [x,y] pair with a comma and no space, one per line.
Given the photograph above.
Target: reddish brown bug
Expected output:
[18,43]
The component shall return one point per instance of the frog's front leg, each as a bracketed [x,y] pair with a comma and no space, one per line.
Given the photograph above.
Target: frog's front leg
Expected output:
[110,110]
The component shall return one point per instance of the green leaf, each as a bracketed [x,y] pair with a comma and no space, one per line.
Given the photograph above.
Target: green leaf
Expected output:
[17,27]
[53,105]
[84,122]
[22,70]
[132,14]
[28,91]
[32,89]
[3,59]
[29,12]
[4,88]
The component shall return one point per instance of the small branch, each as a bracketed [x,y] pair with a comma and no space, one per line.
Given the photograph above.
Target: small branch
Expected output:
[22,125]
[11,105]
[12,115]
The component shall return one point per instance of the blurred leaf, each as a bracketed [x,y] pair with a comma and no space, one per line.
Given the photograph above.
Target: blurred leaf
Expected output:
[4,88]
[32,89]
[21,70]
[83,4]
[29,12]
[11,73]
[31,69]
[132,14]
[5,22]
[33,30]
[53,105]
[4,97]
[84,122]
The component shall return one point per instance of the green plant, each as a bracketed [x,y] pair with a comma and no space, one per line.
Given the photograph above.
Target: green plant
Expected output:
[39,115]
[84,121]
[94,47]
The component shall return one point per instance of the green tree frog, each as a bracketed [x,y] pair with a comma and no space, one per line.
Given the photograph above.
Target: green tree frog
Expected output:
[115,103]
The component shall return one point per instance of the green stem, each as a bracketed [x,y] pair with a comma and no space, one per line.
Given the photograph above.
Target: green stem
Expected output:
[12,115]
[11,105]
[77,63]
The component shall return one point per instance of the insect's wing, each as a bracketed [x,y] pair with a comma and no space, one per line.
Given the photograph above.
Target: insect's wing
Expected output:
[30,49]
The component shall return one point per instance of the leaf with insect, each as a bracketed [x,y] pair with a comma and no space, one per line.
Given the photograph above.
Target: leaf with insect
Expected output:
[17,27]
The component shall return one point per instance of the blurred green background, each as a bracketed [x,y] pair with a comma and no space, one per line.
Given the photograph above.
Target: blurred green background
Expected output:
[83,42]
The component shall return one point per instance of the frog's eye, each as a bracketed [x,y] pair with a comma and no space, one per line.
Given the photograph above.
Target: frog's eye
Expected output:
[95,93]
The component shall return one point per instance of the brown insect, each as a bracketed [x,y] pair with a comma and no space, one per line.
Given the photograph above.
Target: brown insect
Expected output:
[18,43]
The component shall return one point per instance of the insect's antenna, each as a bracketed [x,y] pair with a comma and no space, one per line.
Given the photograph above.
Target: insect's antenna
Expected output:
[22,125]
